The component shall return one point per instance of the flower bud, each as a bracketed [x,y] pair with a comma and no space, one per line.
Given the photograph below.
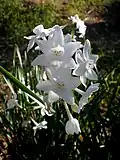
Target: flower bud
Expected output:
[72,126]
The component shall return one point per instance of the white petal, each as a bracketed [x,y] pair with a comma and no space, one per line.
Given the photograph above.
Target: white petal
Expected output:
[29,37]
[11,104]
[52,97]
[62,73]
[72,126]
[41,60]
[72,82]
[37,48]
[44,46]
[70,64]
[83,101]
[79,57]
[66,95]
[38,29]
[31,44]
[58,37]
[87,50]
[92,88]
[71,47]
[76,70]
[91,75]
[94,57]
[54,65]
[79,91]
[45,85]
[80,24]
[64,76]
[82,31]
[45,127]
[83,80]
[43,122]
[69,128]
[79,70]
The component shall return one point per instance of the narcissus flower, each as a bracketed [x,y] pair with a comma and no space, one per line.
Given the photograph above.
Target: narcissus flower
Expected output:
[80,25]
[85,95]
[61,83]
[72,126]
[39,126]
[55,49]
[85,64]
[39,32]
[66,63]
[13,102]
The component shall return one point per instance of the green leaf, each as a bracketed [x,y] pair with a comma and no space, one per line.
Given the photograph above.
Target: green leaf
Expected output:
[18,83]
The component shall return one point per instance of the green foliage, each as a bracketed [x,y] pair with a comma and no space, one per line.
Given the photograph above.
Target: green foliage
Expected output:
[95,119]
[18,18]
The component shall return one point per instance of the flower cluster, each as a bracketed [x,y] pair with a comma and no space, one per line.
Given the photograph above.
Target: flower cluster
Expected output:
[80,25]
[67,63]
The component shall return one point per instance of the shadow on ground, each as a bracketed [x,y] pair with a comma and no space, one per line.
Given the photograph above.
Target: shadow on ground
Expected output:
[105,39]
[104,35]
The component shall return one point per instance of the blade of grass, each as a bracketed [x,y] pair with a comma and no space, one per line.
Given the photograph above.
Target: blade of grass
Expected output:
[19,56]
[9,84]
[19,84]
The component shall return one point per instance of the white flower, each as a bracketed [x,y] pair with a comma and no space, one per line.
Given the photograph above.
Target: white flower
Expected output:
[80,25]
[85,95]
[55,49]
[61,83]
[74,18]
[40,32]
[85,64]
[13,102]
[39,126]
[72,126]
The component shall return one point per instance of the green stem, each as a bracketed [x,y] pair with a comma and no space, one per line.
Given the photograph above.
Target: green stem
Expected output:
[68,111]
